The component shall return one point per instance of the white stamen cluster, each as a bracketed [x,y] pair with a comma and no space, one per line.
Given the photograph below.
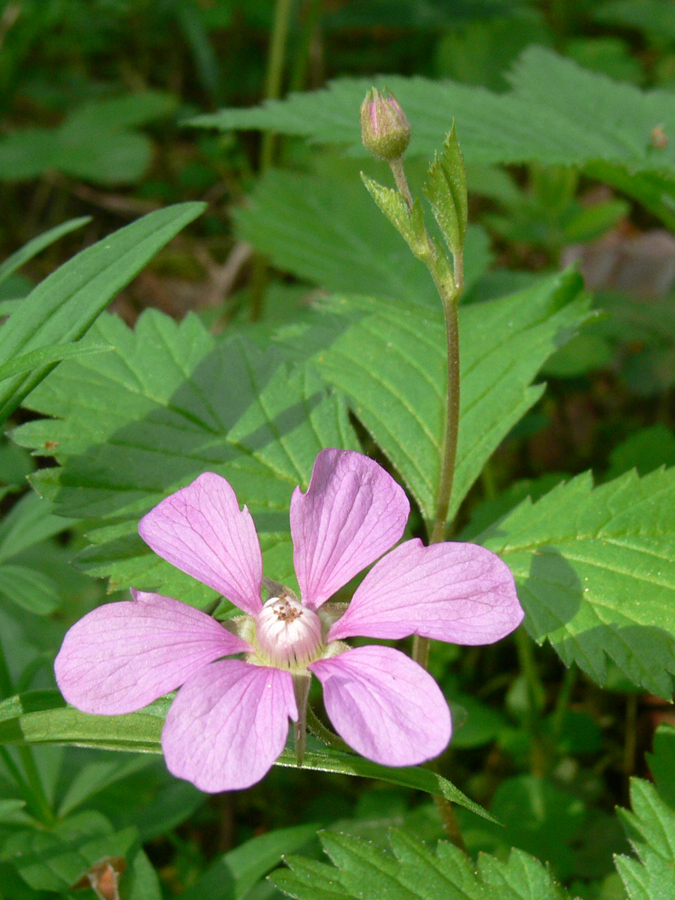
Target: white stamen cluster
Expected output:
[288,634]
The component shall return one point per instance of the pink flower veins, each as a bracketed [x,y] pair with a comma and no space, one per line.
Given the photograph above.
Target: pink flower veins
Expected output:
[229,721]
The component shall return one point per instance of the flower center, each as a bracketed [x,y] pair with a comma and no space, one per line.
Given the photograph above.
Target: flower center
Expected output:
[288,634]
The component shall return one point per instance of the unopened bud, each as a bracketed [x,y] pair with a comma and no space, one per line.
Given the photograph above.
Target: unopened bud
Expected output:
[385,130]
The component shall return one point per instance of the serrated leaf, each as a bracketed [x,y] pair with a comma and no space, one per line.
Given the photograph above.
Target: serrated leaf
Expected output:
[235,873]
[37,244]
[41,717]
[596,574]
[557,114]
[411,871]
[168,404]
[651,830]
[390,360]
[329,231]
[408,223]
[64,306]
[445,189]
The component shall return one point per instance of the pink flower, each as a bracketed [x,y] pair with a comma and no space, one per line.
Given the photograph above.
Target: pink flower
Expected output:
[229,722]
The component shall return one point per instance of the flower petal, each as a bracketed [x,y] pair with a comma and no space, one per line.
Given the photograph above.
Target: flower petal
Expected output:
[352,513]
[387,707]
[201,530]
[122,656]
[228,724]
[460,593]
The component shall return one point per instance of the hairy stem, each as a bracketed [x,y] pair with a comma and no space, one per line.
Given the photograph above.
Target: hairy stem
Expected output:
[449,286]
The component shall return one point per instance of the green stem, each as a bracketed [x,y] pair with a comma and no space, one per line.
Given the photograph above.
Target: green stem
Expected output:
[273,79]
[563,701]
[449,288]
[275,69]
[536,699]
[310,20]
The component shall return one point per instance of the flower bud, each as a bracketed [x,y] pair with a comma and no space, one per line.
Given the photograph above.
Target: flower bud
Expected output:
[385,130]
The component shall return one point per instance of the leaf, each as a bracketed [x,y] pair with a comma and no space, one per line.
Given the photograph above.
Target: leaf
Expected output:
[37,244]
[53,860]
[41,717]
[94,142]
[411,871]
[661,763]
[445,189]
[44,356]
[651,830]
[596,573]
[29,589]
[390,360]
[96,776]
[330,232]
[168,404]
[145,883]
[64,306]
[29,522]
[557,113]
[235,873]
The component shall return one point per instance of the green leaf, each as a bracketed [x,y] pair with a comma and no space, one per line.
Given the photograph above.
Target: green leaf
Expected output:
[54,859]
[651,830]
[329,231]
[37,244]
[45,356]
[29,589]
[235,873]
[145,883]
[96,776]
[557,114]
[408,223]
[445,189]
[411,871]
[390,360]
[41,717]
[29,522]
[596,573]
[168,404]
[64,306]
[94,142]
[661,763]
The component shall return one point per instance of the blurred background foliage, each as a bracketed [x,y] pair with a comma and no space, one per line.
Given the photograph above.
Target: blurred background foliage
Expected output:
[94,97]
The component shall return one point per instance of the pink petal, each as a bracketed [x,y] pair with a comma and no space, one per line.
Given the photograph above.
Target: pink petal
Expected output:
[352,513]
[228,724]
[460,593]
[122,656]
[201,530]
[384,705]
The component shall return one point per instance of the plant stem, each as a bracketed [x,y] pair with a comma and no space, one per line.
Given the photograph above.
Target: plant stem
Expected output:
[536,698]
[310,20]
[273,78]
[275,68]
[449,286]
[563,701]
